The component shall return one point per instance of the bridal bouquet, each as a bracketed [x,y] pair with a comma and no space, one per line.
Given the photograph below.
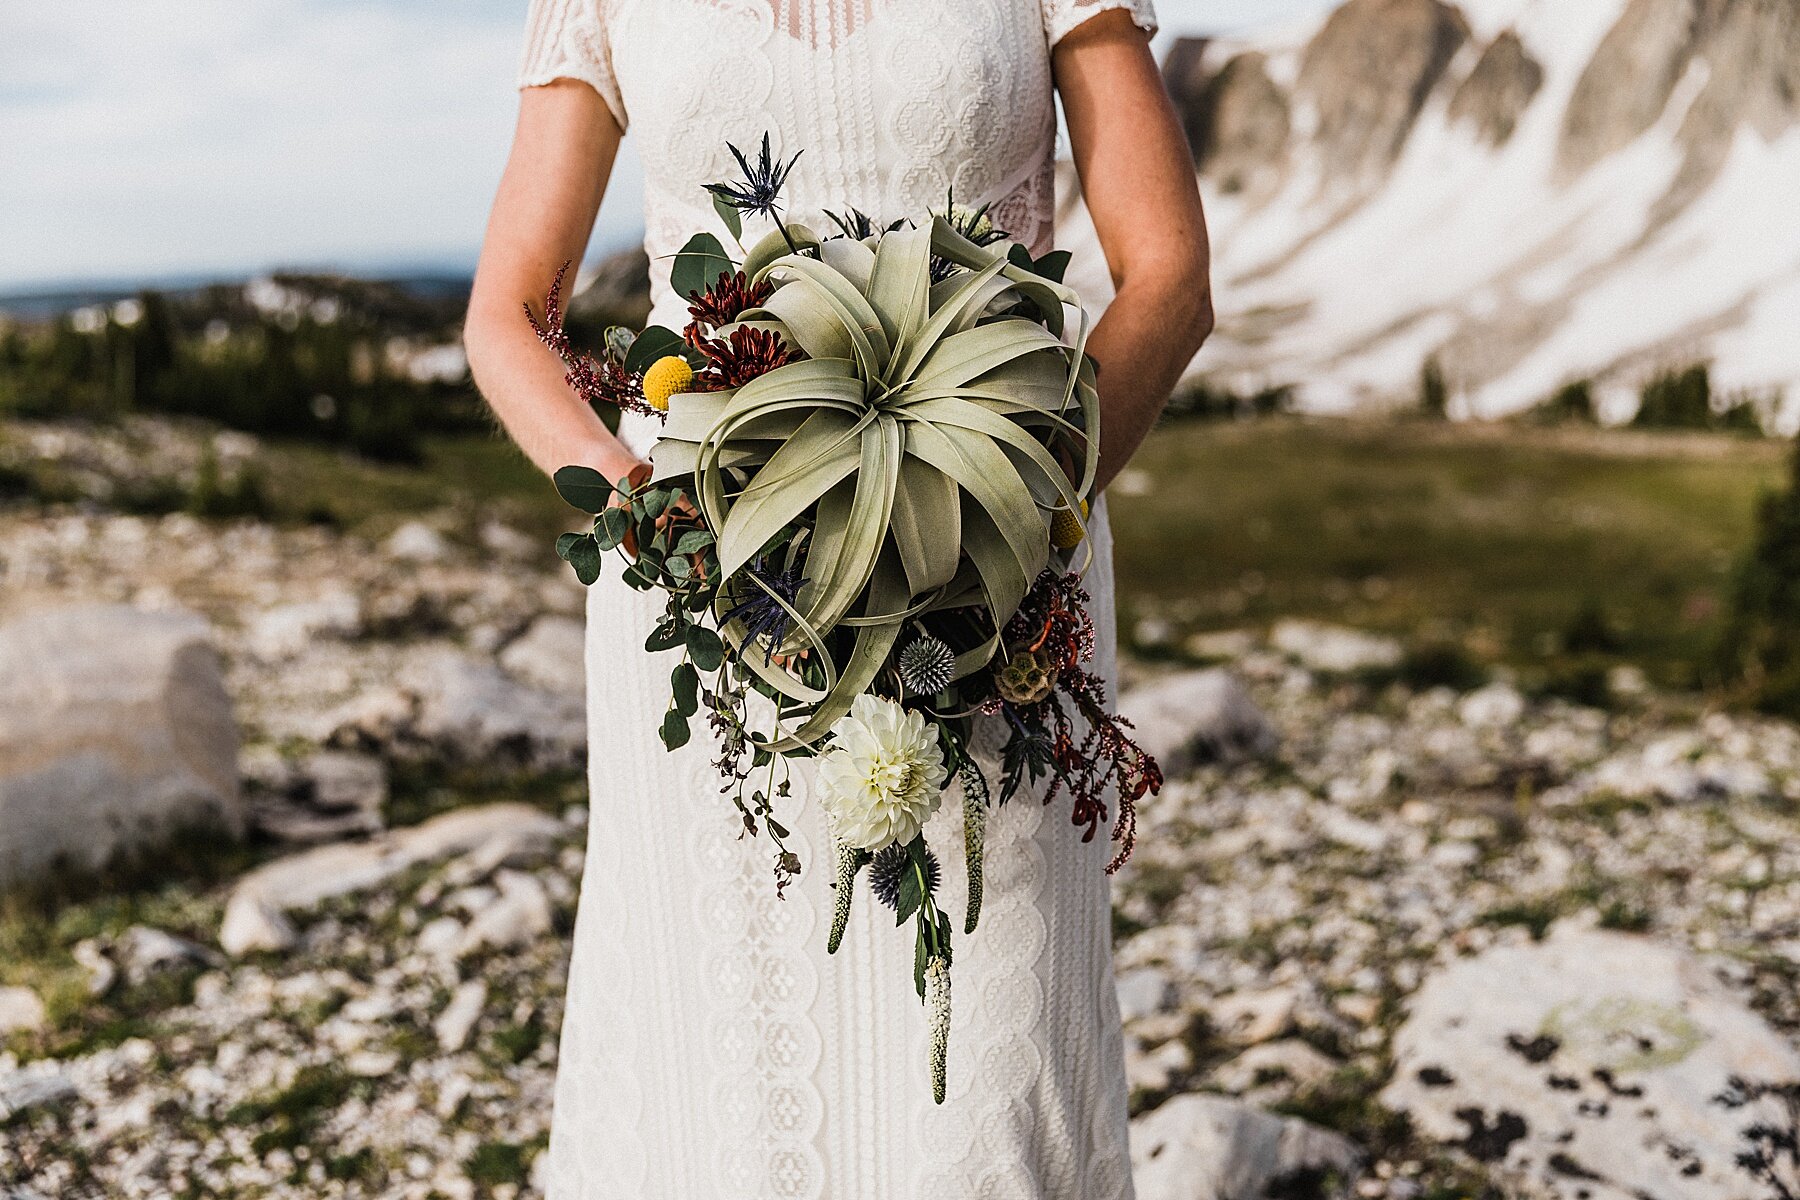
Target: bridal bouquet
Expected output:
[868,518]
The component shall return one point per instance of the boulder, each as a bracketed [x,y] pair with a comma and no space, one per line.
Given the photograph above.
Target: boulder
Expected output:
[1214,1148]
[255,915]
[457,1021]
[1587,1066]
[1197,717]
[1334,649]
[418,542]
[325,796]
[479,713]
[142,953]
[116,732]
[20,1011]
[550,655]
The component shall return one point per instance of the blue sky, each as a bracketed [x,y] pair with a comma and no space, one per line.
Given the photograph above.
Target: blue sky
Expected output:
[148,138]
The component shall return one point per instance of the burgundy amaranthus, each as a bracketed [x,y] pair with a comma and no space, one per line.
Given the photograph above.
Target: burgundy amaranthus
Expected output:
[596,380]
[725,301]
[746,353]
[1053,623]
[734,361]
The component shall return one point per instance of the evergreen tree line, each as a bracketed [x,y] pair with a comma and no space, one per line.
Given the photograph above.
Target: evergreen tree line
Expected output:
[317,371]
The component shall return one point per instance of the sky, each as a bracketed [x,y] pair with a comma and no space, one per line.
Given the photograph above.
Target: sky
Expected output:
[156,139]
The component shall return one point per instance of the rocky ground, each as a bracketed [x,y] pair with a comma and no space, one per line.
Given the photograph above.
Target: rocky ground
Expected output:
[1379,938]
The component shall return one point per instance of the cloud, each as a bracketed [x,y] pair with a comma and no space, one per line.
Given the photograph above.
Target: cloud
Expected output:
[156,137]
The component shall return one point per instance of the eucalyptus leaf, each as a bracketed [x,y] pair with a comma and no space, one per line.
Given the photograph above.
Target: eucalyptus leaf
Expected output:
[654,343]
[585,556]
[705,648]
[685,682]
[698,265]
[729,214]
[674,731]
[584,487]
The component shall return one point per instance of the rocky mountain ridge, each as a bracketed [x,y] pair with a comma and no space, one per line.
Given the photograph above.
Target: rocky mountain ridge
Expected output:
[1527,192]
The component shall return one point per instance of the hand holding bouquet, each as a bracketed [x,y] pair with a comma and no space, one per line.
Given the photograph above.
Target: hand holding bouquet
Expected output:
[868,515]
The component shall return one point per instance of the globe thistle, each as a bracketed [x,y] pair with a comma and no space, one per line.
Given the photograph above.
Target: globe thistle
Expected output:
[927,665]
[937,1007]
[850,860]
[888,870]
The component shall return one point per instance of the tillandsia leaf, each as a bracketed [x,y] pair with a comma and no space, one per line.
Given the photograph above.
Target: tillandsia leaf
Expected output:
[849,860]
[937,1007]
[925,431]
[975,815]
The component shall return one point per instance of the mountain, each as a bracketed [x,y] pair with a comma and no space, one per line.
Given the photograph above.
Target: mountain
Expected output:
[1528,192]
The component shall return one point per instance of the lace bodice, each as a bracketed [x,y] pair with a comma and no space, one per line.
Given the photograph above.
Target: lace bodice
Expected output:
[894,104]
[711,1050]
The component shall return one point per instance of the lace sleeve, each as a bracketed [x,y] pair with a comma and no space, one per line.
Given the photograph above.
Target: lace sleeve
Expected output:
[566,39]
[1061,16]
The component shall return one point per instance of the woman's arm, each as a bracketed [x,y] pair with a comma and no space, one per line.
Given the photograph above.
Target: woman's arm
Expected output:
[1138,179]
[562,155]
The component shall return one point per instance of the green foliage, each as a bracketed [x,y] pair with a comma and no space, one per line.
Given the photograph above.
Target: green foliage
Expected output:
[1759,651]
[317,367]
[1684,400]
[1572,403]
[1205,401]
[495,1163]
[1434,390]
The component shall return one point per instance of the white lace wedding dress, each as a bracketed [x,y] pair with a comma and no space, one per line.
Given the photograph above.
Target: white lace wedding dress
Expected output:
[711,1049]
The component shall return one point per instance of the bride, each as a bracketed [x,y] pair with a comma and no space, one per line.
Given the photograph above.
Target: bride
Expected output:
[711,1050]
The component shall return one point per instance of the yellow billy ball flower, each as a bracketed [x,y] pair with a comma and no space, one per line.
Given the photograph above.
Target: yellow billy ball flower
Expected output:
[667,376]
[1066,531]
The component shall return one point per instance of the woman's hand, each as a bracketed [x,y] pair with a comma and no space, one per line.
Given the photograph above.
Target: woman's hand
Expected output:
[562,154]
[1137,176]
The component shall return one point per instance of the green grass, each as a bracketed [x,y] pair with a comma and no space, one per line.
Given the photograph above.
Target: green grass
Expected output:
[1509,540]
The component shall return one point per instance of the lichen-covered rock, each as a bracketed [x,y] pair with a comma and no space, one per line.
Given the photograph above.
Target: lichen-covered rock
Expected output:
[1587,1066]
[115,732]
[1197,717]
[1213,1148]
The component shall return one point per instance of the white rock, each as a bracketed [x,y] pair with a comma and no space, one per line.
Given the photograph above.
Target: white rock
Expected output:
[1194,717]
[477,712]
[457,1021]
[304,880]
[440,937]
[1334,648]
[550,655]
[102,972]
[1256,1016]
[521,915]
[251,924]
[284,631]
[1290,1059]
[1496,706]
[1213,1148]
[40,1085]
[20,1011]
[1586,1065]
[1143,991]
[330,794]
[115,733]
[142,952]
[417,542]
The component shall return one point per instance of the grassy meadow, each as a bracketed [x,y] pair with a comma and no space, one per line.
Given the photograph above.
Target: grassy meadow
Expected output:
[1517,544]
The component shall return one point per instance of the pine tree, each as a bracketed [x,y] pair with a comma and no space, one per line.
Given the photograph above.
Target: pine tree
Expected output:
[1759,653]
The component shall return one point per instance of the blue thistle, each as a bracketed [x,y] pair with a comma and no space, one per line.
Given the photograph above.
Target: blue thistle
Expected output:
[760,191]
[762,615]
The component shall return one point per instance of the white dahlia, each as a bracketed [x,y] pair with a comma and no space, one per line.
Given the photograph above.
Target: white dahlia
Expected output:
[882,776]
